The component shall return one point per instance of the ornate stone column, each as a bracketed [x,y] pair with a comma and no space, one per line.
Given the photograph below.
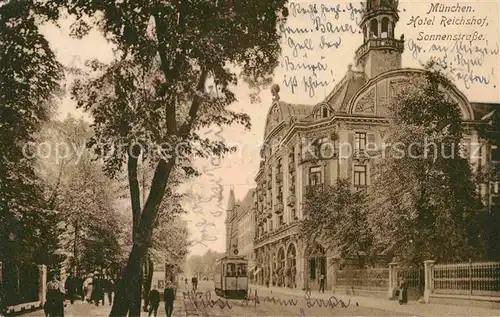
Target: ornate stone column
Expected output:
[429,280]
[42,283]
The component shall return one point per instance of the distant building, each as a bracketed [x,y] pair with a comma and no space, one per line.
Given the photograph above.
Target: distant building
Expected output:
[240,227]
[231,224]
[354,113]
[246,229]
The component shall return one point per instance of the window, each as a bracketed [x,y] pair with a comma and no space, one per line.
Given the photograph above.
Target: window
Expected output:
[231,270]
[279,166]
[318,144]
[360,175]
[374,28]
[495,154]
[270,225]
[312,269]
[294,213]
[325,112]
[315,175]
[385,26]
[280,219]
[360,141]
[280,194]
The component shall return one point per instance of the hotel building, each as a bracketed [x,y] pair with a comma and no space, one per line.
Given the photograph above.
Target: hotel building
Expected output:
[354,113]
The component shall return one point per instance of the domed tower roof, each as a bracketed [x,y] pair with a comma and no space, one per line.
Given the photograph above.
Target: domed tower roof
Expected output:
[376,7]
[376,4]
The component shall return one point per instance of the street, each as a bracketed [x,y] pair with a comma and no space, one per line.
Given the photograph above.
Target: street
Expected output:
[280,305]
[84,309]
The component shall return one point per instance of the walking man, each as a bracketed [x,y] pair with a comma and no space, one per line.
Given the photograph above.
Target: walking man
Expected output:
[70,288]
[194,281]
[154,301]
[169,294]
[322,283]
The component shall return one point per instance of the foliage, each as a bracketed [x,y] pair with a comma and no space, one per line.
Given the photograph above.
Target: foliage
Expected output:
[203,265]
[153,100]
[424,200]
[85,199]
[336,217]
[29,86]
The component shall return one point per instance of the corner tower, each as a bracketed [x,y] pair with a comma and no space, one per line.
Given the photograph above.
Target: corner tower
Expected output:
[380,51]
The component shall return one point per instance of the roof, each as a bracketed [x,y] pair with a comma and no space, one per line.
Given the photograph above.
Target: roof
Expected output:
[482,109]
[231,202]
[246,203]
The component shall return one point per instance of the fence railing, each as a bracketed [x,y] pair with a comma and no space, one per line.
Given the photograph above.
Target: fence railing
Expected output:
[365,279]
[414,278]
[21,283]
[480,279]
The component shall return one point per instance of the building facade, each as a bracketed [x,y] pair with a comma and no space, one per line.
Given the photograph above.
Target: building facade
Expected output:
[246,229]
[231,223]
[354,113]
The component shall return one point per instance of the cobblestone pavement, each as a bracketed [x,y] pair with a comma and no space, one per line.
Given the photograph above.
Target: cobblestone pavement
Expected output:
[81,309]
[281,305]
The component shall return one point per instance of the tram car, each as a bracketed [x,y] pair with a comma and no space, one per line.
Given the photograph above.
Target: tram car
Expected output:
[231,277]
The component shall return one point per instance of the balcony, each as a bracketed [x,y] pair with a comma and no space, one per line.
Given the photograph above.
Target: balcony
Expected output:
[381,44]
[279,177]
[290,201]
[278,209]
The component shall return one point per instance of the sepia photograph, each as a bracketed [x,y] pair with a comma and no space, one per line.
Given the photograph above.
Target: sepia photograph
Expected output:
[199,158]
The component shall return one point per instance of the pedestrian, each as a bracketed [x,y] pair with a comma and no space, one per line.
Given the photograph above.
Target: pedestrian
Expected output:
[54,305]
[110,287]
[403,291]
[88,287]
[154,301]
[69,285]
[186,281]
[169,296]
[97,289]
[322,283]
[194,281]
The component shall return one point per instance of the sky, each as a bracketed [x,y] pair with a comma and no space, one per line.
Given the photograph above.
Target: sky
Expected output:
[328,47]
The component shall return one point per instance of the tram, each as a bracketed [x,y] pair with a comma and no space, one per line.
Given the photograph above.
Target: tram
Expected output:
[231,277]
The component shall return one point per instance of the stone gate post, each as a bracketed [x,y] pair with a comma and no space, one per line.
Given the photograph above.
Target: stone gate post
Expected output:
[42,283]
[429,280]
[393,279]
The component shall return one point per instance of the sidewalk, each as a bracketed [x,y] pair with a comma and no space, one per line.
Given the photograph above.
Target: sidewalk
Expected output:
[413,308]
[81,309]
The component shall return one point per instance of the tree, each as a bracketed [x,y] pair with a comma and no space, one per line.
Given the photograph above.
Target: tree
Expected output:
[154,97]
[29,86]
[82,195]
[424,200]
[490,218]
[335,216]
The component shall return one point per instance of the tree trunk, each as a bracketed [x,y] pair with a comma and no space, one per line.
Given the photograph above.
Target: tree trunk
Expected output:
[130,283]
[129,290]
[148,281]
[75,248]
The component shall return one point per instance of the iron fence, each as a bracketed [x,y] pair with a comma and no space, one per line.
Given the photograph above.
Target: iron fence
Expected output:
[481,279]
[21,283]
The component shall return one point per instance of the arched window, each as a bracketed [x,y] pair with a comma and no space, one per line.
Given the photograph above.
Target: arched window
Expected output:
[385,27]
[374,27]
